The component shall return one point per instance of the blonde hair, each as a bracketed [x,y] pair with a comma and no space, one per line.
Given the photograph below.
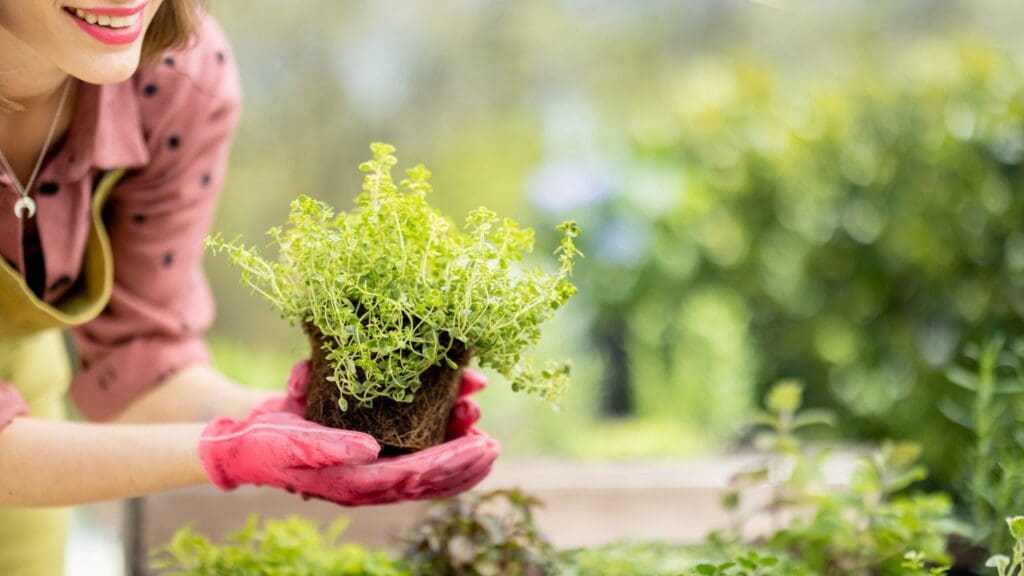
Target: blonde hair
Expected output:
[173,26]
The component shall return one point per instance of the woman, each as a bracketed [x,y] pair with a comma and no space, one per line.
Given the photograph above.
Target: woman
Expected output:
[114,135]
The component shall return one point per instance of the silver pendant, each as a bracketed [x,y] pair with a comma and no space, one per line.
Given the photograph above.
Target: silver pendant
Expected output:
[24,204]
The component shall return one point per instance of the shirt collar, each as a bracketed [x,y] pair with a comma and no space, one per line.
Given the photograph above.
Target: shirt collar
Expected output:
[106,132]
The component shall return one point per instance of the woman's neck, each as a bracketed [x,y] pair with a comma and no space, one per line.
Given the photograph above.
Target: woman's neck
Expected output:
[34,86]
[26,78]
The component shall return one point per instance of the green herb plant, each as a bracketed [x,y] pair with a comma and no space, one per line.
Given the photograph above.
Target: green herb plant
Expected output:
[291,547]
[1006,565]
[750,563]
[993,478]
[874,525]
[393,284]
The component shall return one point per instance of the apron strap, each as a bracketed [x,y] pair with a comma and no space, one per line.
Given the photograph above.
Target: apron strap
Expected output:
[23,313]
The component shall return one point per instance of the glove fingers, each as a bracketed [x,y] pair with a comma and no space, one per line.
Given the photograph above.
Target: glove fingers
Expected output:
[441,463]
[455,489]
[437,472]
[298,381]
[304,444]
[334,448]
[465,413]
[358,485]
[472,382]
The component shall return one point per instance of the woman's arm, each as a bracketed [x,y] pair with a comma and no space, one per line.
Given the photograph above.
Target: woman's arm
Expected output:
[47,463]
[196,393]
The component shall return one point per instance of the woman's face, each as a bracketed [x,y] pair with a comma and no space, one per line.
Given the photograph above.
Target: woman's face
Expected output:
[98,41]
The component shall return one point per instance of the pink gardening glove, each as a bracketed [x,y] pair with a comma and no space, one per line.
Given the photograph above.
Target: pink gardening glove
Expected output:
[12,404]
[438,472]
[278,449]
[294,399]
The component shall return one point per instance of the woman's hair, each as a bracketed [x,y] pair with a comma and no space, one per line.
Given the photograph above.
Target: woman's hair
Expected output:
[173,26]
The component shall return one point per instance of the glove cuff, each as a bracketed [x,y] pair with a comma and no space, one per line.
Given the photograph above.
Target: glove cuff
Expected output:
[211,454]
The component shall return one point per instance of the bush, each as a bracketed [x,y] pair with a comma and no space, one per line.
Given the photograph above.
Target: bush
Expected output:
[292,547]
[861,227]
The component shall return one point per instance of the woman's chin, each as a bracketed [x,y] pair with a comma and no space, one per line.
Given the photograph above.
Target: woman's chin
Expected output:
[107,69]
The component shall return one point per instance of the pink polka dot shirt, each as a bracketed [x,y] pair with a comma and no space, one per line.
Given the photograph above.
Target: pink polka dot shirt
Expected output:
[170,125]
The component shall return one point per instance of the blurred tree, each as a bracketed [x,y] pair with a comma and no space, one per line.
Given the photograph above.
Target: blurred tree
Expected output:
[856,231]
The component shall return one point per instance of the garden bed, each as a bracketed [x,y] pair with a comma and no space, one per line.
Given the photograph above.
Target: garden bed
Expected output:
[585,504]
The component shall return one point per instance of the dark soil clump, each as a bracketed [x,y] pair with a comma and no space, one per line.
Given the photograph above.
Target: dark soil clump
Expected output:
[399,427]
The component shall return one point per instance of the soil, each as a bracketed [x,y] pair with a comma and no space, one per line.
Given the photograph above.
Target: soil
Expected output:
[399,427]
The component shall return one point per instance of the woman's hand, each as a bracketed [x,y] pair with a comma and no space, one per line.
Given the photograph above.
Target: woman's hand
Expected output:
[460,463]
[438,472]
[271,448]
[293,400]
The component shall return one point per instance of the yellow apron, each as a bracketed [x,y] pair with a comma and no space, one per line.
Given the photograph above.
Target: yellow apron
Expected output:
[34,360]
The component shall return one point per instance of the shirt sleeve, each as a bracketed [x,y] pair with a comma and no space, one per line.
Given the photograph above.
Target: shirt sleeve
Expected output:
[157,219]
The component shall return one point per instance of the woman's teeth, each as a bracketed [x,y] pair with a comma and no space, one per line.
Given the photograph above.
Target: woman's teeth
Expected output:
[108,21]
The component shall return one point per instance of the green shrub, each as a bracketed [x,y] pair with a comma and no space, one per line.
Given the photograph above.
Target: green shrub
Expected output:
[873,525]
[393,285]
[1011,565]
[292,547]
[862,225]
[990,406]
[480,535]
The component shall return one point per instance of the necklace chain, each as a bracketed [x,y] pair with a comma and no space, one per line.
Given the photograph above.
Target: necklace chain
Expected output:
[25,204]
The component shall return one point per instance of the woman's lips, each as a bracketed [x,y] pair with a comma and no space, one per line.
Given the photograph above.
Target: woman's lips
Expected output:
[112,26]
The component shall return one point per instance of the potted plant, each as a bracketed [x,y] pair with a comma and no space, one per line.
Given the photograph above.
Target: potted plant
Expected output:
[395,299]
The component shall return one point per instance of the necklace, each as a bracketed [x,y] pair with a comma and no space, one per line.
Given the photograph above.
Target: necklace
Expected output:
[25,204]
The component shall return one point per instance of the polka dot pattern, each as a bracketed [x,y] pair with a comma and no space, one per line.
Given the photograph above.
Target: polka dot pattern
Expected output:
[171,126]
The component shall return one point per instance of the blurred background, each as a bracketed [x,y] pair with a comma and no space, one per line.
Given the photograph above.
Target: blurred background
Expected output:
[826,190]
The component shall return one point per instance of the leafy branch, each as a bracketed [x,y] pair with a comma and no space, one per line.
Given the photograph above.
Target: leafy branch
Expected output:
[393,285]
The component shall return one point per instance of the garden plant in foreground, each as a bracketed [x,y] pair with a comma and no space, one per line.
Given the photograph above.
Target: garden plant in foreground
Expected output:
[395,299]
[877,525]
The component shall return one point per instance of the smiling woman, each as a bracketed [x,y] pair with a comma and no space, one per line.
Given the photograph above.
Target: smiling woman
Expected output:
[107,52]
[119,124]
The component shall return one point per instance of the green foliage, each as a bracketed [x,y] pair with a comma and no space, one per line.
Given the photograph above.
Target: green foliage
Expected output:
[393,285]
[992,381]
[292,547]
[657,559]
[917,563]
[867,223]
[1011,566]
[480,535]
[872,526]
[751,563]
[630,559]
